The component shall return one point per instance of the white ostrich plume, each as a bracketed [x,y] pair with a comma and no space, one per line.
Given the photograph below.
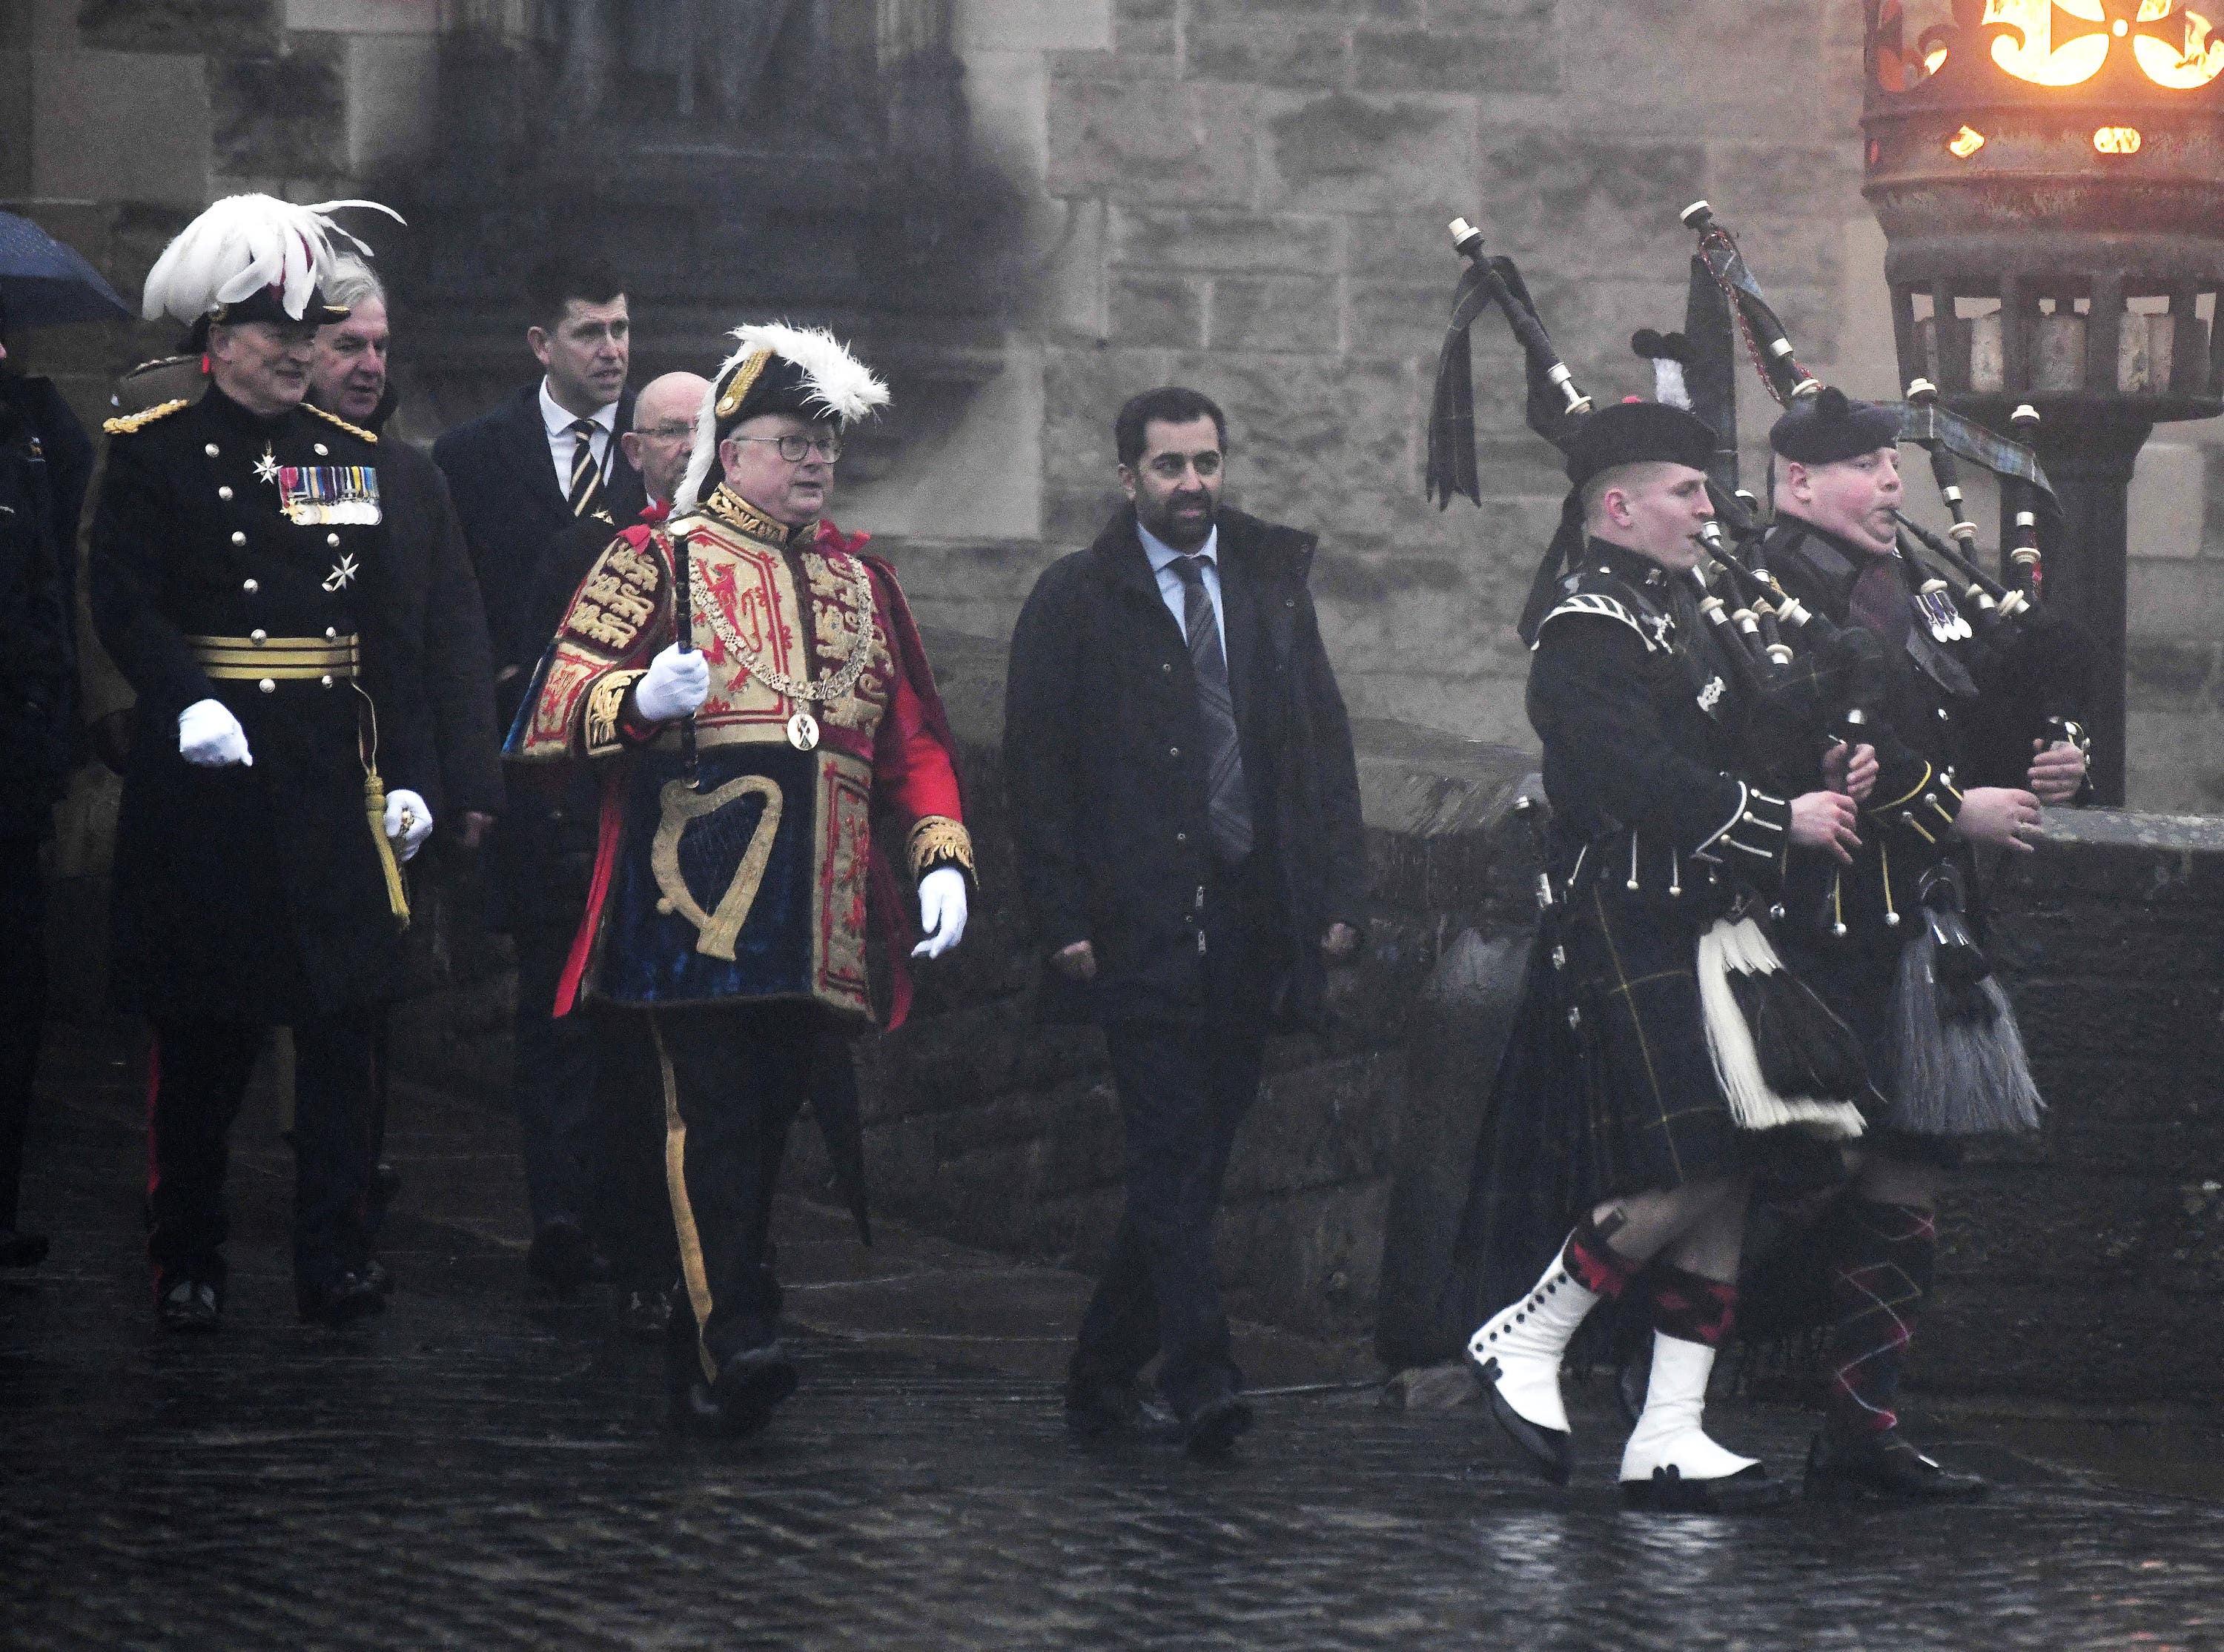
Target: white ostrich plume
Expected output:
[840,385]
[243,244]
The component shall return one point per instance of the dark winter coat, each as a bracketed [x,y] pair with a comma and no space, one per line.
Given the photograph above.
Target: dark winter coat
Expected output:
[45,460]
[512,510]
[249,892]
[1104,762]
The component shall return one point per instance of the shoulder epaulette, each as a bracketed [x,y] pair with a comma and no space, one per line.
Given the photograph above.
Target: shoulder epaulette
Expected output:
[1602,606]
[129,422]
[334,419]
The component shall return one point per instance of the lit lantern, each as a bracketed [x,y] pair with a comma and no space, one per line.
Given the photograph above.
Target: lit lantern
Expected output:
[2050,176]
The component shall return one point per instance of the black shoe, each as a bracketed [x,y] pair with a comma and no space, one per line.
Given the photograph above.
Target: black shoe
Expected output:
[1209,1431]
[561,1255]
[379,1276]
[347,1297]
[385,1182]
[1104,1410]
[188,1306]
[1882,1466]
[647,1313]
[751,1384]
[22,1250]
[1550,1451]
[1669,1492]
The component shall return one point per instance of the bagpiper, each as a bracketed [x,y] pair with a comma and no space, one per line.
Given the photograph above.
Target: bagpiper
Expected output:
[759,692]
[238,579]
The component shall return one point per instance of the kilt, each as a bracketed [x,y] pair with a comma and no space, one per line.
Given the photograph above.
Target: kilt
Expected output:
[1650,1111]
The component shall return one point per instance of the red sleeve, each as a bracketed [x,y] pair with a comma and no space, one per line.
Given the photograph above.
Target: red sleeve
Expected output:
[912,768]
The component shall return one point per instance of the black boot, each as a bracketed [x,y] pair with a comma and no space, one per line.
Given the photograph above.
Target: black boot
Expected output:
[1883,1465]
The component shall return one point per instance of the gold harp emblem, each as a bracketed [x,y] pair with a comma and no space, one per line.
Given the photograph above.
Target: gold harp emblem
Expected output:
[681,806]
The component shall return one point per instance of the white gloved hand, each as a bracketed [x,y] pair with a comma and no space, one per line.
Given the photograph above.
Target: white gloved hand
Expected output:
[678,682]
[409,821]
[941,911]
[209,737]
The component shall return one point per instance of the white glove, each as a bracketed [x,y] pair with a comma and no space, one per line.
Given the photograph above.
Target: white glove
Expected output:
[677,683]
[941,911]
[209,737]
[409,821]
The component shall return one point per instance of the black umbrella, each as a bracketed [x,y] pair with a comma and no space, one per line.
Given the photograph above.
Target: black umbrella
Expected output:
[45,284]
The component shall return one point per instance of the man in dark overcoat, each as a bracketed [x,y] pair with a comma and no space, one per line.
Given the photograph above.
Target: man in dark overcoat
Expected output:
[523,476]
[279,759]
[45,459]
[1187,807]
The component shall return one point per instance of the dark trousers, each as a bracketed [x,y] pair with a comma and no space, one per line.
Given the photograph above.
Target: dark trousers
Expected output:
[632,1211]
[1184,1089]
[22,1005]
[733,1079]
[200,1075]
[553,1082]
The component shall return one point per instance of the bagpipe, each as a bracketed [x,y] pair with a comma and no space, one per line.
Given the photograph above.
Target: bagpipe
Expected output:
[1780,1055]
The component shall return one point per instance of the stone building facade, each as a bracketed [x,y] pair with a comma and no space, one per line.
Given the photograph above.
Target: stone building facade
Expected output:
[1248,195]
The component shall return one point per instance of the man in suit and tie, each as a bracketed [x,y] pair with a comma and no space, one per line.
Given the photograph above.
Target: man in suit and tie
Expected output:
[1186,808]
[523,476]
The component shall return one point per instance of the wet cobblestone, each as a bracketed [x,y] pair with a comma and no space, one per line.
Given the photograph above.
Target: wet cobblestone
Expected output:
[479,1471]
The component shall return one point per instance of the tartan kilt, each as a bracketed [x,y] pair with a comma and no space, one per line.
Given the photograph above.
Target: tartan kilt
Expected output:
[1654,1114]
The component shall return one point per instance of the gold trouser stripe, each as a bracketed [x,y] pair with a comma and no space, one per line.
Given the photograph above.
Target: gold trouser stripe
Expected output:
[683,1213]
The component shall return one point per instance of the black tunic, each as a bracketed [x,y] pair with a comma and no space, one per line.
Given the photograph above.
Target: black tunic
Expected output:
[253,892]
[1658,830]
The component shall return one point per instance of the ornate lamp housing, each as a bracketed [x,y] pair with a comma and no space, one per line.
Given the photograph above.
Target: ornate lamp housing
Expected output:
[2050,180]
[2050,176]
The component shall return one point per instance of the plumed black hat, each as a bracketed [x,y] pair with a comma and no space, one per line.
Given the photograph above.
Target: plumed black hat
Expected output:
[1825,428]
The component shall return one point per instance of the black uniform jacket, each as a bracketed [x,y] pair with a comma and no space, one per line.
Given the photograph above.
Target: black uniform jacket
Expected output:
[1927,744]
[1644,729]
[250,892]
[1104,761]
[512,509]
[45,458]
[446,621]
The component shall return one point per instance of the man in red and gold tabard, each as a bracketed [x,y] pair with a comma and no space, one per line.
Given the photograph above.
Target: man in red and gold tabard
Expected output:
[747,753]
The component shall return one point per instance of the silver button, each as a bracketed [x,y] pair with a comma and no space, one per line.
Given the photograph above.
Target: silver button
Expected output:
[326,681]
[258,637]
[1173,751]
[210,449]
[268,686]
[1930,797]
[238,537]
[322,451]
[1166,667]
[1181,837]
[251,586]
[331,635]
[332,539]
[223,493]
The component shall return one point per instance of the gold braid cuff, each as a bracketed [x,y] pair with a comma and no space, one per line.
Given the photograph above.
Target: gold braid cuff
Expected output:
[605,704]
[937,839]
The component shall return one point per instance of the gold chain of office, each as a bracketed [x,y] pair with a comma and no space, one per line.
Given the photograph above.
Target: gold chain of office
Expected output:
[833,688]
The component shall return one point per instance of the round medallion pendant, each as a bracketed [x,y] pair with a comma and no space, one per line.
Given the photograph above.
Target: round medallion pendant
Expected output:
[803,731]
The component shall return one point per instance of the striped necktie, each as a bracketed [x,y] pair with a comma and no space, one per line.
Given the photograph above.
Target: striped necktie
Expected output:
[1230,803]
[586,475]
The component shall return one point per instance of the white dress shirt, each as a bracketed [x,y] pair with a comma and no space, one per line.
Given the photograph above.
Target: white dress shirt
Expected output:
[1172,589]
[561,441]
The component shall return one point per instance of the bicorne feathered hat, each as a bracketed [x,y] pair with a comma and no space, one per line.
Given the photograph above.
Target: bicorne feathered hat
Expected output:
[252,258]
[778,369]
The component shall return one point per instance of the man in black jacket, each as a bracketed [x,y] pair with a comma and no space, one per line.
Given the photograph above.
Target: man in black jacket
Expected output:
[45,459]
[1187,811]
[523,478]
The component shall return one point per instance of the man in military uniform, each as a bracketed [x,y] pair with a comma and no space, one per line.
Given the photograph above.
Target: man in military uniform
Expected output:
[1858,934]
[1662,841]
[239,556]
[756,737]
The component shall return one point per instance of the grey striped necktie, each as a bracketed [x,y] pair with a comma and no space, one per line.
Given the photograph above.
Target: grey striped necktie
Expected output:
[1230,803]
[586,475]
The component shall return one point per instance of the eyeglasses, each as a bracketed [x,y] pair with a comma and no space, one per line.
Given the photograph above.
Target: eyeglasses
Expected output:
[795,449]
[672,433]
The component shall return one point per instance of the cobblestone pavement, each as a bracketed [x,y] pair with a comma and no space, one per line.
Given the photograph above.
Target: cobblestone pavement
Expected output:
[481,1470]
